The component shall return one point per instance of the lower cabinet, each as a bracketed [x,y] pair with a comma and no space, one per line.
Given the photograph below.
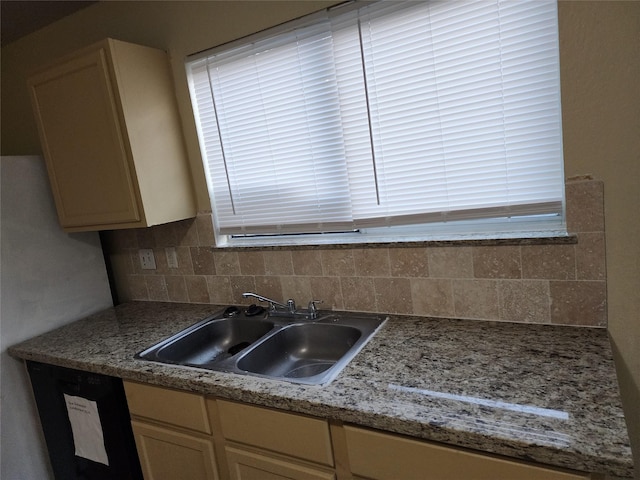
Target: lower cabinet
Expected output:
[172,433]
[182,435]
[167,454]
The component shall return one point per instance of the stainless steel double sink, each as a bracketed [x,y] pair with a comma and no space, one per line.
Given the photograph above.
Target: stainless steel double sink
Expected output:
[311,352]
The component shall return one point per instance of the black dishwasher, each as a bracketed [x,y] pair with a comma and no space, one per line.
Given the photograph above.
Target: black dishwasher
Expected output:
[86,424]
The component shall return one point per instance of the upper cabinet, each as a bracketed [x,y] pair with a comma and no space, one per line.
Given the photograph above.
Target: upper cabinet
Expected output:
[112,139]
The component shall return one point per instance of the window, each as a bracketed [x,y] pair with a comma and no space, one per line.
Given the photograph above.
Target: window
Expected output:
[385,122]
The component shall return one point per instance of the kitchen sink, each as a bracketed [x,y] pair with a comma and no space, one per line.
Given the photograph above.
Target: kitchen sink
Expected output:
[210,342]
[251,342]
[301,351]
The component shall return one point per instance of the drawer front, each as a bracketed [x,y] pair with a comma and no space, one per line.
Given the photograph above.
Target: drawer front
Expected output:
[286,433]
[181,409]
[246,465]
[380,456]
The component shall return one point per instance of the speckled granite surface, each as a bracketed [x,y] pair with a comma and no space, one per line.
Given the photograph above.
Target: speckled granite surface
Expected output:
[536,392]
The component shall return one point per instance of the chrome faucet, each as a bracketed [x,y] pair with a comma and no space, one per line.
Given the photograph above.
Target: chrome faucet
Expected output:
[280,309]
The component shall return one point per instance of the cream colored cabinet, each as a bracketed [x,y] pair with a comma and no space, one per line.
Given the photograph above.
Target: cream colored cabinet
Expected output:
[172,433]
[380,456]
[264,444]
[250,465]
[111,136]
[184,435]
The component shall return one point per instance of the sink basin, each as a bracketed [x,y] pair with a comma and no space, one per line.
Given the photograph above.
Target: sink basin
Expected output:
[209,342]
[301,351]
[279,348]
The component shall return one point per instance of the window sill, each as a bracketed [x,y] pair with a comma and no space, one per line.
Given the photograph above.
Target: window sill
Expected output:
[468,241]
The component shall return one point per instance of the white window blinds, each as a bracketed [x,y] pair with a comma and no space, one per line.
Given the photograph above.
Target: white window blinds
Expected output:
[388,115]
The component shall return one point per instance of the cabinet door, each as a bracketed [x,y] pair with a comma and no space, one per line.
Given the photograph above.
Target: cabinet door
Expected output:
[83,141]
[246,465]
[380,456]
[169,455]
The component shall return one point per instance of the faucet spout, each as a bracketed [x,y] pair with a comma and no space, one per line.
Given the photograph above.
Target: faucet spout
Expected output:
[289,309]
[272,303]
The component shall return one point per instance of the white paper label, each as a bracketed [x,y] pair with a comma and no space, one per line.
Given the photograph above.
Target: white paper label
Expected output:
[87,429]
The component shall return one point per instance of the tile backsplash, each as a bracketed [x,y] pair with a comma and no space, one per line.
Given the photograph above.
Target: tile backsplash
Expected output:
[548,283]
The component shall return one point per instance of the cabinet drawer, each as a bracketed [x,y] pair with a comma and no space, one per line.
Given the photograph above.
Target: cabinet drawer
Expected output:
[381,456]
[245,465]
[286,433]
[182,409]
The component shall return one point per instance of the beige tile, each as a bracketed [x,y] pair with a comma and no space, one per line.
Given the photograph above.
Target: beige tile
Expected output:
[186,232]
[450,262]
[121,263]
[251,263]
[585,206]
[432,297]
[204,227]
[219,287]
[270,287]
[476,299]
[372,262]
[157,288]
[197,289]
[121,270]
[524,301]
[145,238]
[164,235]
[359,294]
[137,288]
[226,262]
[278,262]
[136,268]
[393,295]
[501,261]
[177,288]
[550,262]
[579,303]
[306,262]
[298,288]
[409,262]
[327,289]
[185,263]
[338,262]
[591,256]
[161,263]
[202,260]
[239,285]
[120,240]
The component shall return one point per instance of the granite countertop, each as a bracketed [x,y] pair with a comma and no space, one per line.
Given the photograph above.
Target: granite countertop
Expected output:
[541,393]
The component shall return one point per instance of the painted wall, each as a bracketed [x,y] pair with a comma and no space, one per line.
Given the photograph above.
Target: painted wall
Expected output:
[600,71]
[600,62]
[49,278]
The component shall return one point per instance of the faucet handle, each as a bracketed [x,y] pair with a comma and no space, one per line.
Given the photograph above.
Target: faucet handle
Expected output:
[313,309]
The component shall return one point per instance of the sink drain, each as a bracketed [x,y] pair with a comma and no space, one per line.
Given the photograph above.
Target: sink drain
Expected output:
[238,348]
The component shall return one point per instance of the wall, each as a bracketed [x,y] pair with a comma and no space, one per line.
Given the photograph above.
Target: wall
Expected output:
[49,279]
[600,66]
[560,284]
